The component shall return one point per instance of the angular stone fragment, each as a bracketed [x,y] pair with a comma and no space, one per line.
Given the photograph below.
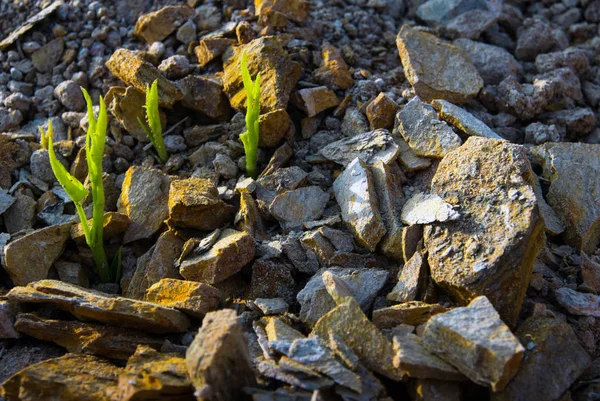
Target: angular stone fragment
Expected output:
[426,135]
[553,361]
[127,105]
[573,170]
[219,353]
[205,94]
[476,341]
[578,303]
[6,200]
[355,193]
[102,307]
[21,215]
[73,377]
[115,224]
[30,23]
[295,10]
[299,205]
[156,26]
[274,126]
[332,247]
[144,198]
[463,120]
[491,248]
[370,147]
[411,279]
[196,299]
[314,100]
[30,257]
[427,208]
[210,48]
[435,69]
[333,72]
[48,56]
[590,272]
[436,11]
[152,375]
[381,111]
[8,312]
[195,203]
[227,256]
[553,224]
[87,338]
[134,71]
[493,63]
[279,73]
[412,313]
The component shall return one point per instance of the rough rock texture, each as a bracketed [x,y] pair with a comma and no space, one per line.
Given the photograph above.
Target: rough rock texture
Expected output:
[196,299]
[463,120]
[295,10]
[573,170]
[333,73]
[299,205]
[114,224]
[427,208]
[493,63]
[435,69]
[370,147]
[219,353]
[8,312]
[411,279]
[105,308]
[127,105]
[48,55]
[156,26]
[578,303]
[274,126]
[476,341]
[490,250]
[412,313]
[205,94]
[279,73]
[25,266]
[144,198]
[315,100]
[553,361]
[210,48]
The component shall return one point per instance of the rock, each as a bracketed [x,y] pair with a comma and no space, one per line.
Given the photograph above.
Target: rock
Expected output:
[39,163]
[196,299]
[279,73]
[552,223]
[553,361]
[271,306]
[70,96]
[534,37]
[134,71]
[470,24]
[333,72]
[228,255]
[144,199]
[175,67]
[573,171]
[495,247]
[272,278]
[538,133]
[86,338]
[484,350]
[411,356]
[315,100]
[578,303]
[10,120]
[298,206]
[158,263]
[425,134]
[434,390]
[29,23]
[364,284]
[210,48]
[20,215]
[561,88]
[355,193]
[413,313]
[218,353]
[524,101]
[435,69]
[436,11]
[75,377]
[94,305]
[186,32]
[492,62]
[8,312]
[407,157]
[590,272]
[370,147]
[572,57]
[6,200]
[577,122]
[411,280]
[295,10]
[463,120]
[114,225]
[381,112]
[205,94]
[47,244]
[154,375]
[427,208]
[48,56]
[195,203]
[127,105]
[273,127]
[158,25]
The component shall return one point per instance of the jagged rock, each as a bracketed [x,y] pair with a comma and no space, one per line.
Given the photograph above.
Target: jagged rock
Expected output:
[333,248]
[315,100]
[573,170]
[463,120]
[205,94]
[295,10]
[20,215]
[156,26]
[355,193]
[272,278]
[364,284]
[127,105]
[407,157]
[411,279]
[134,71]
[354,122]
[210,48]
[271,306]
[195,203]
[578,303]
[553,224]
[434,390]
[73,377]
[412,313]
[196,299]
[219,353]
[499,233]
[8,312]
[590,272]
[279,73]
[435,69]
[278,182]
[573,57]
[87,338]
[48,56]
[333,72]
[144,199]
[553,361]
[493,63]
[534,36]
[102,307]
[577,122]
[560,87]
[425,134]
[158,263]
[30,257]
[436,11]
[427,208]
[274,126]
[6,200]
[470,24]
[381,111]
[152,375]
[370,147]
[228,255]
[114,224]
[299,205]
[476,341]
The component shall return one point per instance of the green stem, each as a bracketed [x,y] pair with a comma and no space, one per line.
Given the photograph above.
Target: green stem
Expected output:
[159,145]
[97,243]
[251,164]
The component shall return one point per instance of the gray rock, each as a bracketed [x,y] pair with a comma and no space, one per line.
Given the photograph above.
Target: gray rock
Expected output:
[534,37]
[463,120]
[476,341]
[9,119]
[577,122]
[224,166]
[355,193]
[8,312]
[175,67]
[561,88]
[572,57]
[6,200]
[538,133]
[436,11]
[354,122]
[426,136]
[470,25]
[46,58]
[427,208]
[299,205]
[370,147]
[186,32]
[69,95]
[175,143]
[271,306]
[411,279]
[18,101]
[578,303]
[20,215]
[493,63]
[39,163]
[407,157]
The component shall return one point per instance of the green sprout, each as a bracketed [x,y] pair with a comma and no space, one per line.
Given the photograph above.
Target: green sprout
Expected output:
[94,144]
[250,137]
[154,129]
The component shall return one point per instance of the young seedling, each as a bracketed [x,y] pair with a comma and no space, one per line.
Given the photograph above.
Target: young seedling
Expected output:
[154,129]
[250,137]
[94,145]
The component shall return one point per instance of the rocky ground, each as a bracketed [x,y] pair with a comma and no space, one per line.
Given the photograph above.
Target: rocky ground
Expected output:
[425,225]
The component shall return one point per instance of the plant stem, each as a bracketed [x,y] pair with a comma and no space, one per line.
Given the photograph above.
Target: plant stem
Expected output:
[251,164]
[97,244]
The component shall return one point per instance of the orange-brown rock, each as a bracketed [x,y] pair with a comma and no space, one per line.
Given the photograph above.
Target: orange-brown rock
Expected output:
[205,94]
[115,224]
[334,72]
[413,313]
[210,48]
[274,127]
[315,100]
[295,10]
[156,26]
[191,297]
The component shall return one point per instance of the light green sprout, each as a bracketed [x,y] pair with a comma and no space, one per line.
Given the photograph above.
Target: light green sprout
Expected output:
[154,129]
[250,137]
